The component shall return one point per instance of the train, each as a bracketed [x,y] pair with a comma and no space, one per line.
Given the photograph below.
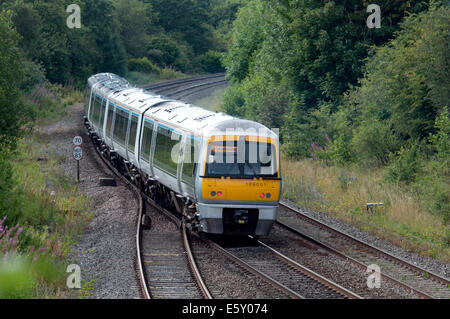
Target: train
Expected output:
[221,174]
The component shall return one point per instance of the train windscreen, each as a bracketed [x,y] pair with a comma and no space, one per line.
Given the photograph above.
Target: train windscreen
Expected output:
[241,159]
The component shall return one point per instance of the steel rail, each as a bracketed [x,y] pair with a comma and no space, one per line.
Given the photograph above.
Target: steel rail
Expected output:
[375,250]
[263,276]
[181,81]
[203,288]
[334,286]
[192,264]
[201,89]
[139,264]
[191,261]
[195,87]
[355,262]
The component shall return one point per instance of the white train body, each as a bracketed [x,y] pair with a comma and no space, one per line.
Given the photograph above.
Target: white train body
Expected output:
[172,150]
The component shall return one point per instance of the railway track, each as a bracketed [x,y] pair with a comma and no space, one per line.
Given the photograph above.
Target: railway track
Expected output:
[165,276]
[168,256]
[165,265]
[281,272]
[165,268]
[411,278]
[175,83]
[179,89]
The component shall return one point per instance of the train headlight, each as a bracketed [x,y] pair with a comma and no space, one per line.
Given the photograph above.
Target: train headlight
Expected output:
[213,193]
[219,193]
[262,195]
[268,195]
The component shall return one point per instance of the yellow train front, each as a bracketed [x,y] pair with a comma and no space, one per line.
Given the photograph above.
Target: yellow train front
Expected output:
[239,182]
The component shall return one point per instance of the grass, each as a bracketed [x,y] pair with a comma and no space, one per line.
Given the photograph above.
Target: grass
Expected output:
[212,102]
[344,192]
[47,205]
[141,78]
[404,219]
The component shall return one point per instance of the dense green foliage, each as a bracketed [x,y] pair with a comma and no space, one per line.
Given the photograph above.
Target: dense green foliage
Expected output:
[11,72]
[41,61]
[11,106]
[167,32]
[347,94]
[309,52]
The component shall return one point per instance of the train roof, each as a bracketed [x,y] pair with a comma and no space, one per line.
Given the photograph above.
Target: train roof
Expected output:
[176,114]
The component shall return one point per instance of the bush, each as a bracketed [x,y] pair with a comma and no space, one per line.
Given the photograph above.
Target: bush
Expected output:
[210,62]
[374,142]
[15,278]
[405,167]
[143,65]
[233,101]
[441,140]
[340,150]
[34,73]
[162,50]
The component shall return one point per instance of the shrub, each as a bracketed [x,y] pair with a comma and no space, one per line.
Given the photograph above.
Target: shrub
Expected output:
[441,140]
[162,50]
[143,65]
[210,62]
[233,101]
[15,278]
[339,150]
[34,73]
[405,167]
[374,142]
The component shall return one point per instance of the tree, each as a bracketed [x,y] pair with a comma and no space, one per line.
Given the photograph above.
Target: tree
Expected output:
[99,17]
[135,21]
[11,73]
[314,51]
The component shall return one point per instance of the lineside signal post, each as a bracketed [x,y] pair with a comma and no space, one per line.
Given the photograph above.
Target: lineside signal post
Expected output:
[78,153]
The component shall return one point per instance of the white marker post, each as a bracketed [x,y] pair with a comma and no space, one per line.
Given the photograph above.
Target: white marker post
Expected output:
[78,153]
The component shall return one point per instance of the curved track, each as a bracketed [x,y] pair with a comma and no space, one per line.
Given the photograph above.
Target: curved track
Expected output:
[175,287]
[413,279]
[179,89]
[281,272]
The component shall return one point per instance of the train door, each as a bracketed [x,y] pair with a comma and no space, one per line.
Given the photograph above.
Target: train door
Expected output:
[180,161]
[189,163]
[101,123]
[153,146]
[87,99]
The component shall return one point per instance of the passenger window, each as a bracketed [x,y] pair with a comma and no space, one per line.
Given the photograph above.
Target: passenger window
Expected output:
[120,126]
[91,111]
[97,106]
[87,93]
[133,129]
[109,120]
[167,144]
[147,134]
[102,114]
[191,157]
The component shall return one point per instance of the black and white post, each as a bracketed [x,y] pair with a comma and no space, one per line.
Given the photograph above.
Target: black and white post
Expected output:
[78,153]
